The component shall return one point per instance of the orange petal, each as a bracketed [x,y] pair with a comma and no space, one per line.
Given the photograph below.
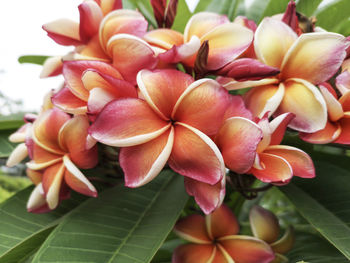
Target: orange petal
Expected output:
[238,139]
[190,253]
[164,38]
[327,135]
[222,222]
[195,155]
[306,102]
[52,179]
[142,163]
[204,100]
[246,249]
[43,157]
[34,176]
[192,228]
[264,99]
[68,102]
[92,50]
[278,127]
[52,67]
[46,129]
[162,88]
[127,122]
[264,224]
[131,54]
[203,22]
[63,31]
[344,137]
[334,107]
[314,57]
[110,5]
[272,41]
[276,169]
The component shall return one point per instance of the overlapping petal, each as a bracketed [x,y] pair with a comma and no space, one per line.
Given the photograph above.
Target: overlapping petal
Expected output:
[193,228]
[68,102]
[63,31]
[90,18]
[327,135]
[190,253]
[52,180]
[164,38]
[344,137]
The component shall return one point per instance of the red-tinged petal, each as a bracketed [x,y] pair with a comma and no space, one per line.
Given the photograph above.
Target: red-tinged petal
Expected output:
[243,21]
[226,42]
[266,130]
[264,224]
[63,31]
[159,7]
[248,69]
[204,100]
[37,202]
[342,82]
[17,155]
[98,99]
[68,102]
[110,5]
[285,243]
[73,72]
[92,50]
[162,89]
[237,108]
[264,99]
[203,22]
[344,137]
[207,196]
[195,155]
[131,54]
[290,17]
[272,40]
[52,179]
[190,253]
[327,135]
[52,67]
[122,22]
[77,180]
[90,18]
[46,129]
[246,249]
[127,122]
[314,57]
[164,38]
[278,127]
[238,139]
[222,222]
[276,169]
[345,101]
[334,107]
[192,228]
[231,84]
[142,163]
[307,103]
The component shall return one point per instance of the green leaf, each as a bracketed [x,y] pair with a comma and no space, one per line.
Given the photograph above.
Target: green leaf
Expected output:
[259,9]
[6,147]
[22,232]
[13,121]
[323,202]
[144,7]
[226,7]
[308,7]
[344,27]
[122,225]
[333,14]
[32,59]
[183,14]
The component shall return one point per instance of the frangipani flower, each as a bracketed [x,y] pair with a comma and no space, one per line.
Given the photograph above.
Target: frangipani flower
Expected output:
[304,62]
[214,238]
[171,124]
[265,226]
[89,86]
[57,149]
[276,163]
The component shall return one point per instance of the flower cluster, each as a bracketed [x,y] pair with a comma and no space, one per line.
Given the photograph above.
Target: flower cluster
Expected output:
[167,99]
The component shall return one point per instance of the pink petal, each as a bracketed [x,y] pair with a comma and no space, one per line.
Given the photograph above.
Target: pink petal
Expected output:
[290,17]
[195,155]
[344,137]
[278,127]
[327,135]
[127,122]
[192,228]
[142,163]
[203,100]
[162,89]
[314,57]
[238,139]
[190,253]
[52,67]
[68,102]
[342,82]
[90,18]
[63,31]
[237,108]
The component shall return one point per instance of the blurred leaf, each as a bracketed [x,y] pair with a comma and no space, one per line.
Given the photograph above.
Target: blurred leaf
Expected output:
[6,147]
[333,14]
[324,203]
[344,27]
[122,225]
[226,7]
[22,232]
[13,121]
[32,59]
[183,14]
[261,8]
[143,7]
[308,7]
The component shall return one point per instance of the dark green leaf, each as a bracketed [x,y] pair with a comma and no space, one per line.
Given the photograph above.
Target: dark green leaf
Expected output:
[261,8]
[307,7]
[183,14]
[323,202]
[333,14]
[122,225]
[33,59]
[13,121]
[6,147]
[22,232]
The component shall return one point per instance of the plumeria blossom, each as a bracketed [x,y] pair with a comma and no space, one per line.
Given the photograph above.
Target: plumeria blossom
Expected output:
[214,238]
[276,163]
[304,61]
[57,148]
[171,124]
[265,226]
